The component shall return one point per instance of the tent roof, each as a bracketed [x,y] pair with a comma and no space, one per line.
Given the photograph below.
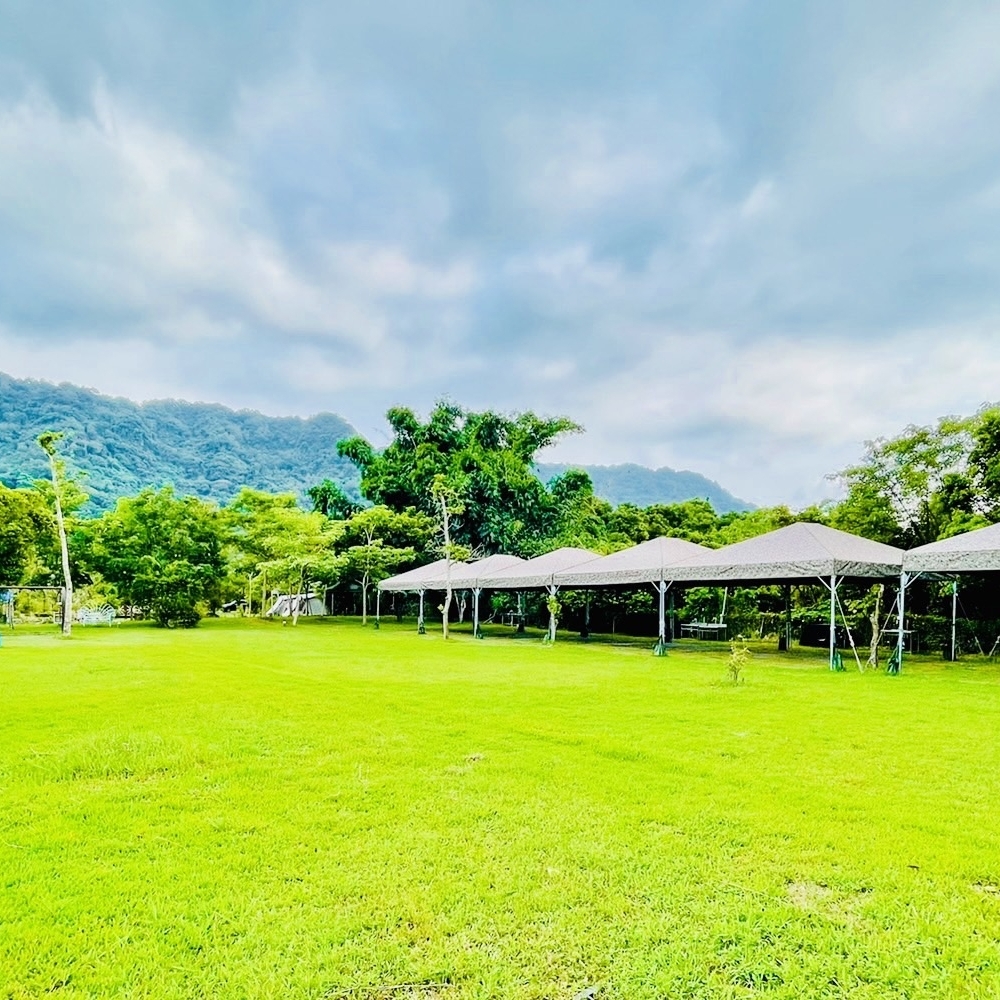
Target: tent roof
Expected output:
[644,563]
[799,551]
[974,551]
[473,573]
[421,578]
[538,572]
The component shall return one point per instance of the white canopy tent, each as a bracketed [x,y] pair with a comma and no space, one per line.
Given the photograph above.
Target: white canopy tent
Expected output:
[648,562]
[972,552]
[433,576]
[539,573]
[471,577]
[798,552]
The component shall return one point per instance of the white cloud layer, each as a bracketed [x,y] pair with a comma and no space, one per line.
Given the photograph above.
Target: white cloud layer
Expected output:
[741,242]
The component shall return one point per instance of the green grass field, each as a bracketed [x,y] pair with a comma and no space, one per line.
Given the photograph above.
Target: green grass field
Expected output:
[249,810]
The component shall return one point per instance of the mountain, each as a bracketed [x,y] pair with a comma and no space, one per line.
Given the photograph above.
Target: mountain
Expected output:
[202,449]
[210,451]
[643,487]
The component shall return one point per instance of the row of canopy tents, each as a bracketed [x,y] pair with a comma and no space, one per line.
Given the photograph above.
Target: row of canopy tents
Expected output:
[799,553]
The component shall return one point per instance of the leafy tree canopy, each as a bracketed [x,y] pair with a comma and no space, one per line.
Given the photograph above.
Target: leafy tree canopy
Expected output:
[163,553]
[488,457]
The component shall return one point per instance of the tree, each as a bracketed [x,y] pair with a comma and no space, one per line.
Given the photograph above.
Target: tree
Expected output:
[377,540]
[26,523]
[163,553]
[507,508]
[447,496]
[899,478]
[48,442]
[331,501]
[274,539]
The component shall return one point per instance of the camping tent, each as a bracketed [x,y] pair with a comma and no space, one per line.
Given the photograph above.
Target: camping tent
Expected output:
[539,572]
[800,551]
[648,562]
[972,552]
[287,605]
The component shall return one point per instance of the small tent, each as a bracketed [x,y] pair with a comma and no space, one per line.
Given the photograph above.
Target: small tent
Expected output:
[287,605]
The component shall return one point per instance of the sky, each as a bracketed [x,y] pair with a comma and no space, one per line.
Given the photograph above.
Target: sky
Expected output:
[735,237]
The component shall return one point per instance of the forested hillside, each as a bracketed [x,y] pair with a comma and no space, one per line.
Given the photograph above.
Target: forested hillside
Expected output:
[211,451]
[202,449]
[643,487]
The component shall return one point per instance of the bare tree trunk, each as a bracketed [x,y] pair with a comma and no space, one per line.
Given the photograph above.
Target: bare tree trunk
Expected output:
[876,633]
[298,598]
[67,594]
[447,565]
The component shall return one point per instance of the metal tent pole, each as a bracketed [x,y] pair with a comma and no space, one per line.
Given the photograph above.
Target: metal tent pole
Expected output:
[954,614]
[553,590]
[420,614]
[903,581]
[378,605]
[663,613]
[788,618]
[833,617]
[476,591]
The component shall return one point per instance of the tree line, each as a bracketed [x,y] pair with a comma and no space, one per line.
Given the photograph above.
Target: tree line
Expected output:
[174,558]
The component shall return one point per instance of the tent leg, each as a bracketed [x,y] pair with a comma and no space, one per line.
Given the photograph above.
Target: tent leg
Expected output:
[476,591]
[833,620]
[660,649]
[378,607]
[520,612]
[954,616]
[788,618]
[553,590]
[585,631]
[420,615]
[904,579]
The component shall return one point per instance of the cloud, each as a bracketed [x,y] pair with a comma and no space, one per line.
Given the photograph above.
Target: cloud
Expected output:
[740,240]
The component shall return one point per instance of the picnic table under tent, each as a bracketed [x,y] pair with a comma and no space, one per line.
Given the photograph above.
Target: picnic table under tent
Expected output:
[649,562]
[419,581]
[539,573]
[799,552]
[972,552]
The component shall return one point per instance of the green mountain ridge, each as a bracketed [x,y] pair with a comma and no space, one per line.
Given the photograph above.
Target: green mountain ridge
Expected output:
[211,451]
[642,486]
[204,449]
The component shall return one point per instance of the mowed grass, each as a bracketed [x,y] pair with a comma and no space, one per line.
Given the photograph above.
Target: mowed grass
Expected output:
[250,810]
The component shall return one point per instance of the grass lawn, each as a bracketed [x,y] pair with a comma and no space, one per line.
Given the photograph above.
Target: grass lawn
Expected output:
[249,810]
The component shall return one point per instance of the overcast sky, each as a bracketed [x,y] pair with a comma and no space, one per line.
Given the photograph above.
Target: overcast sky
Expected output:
[735,237]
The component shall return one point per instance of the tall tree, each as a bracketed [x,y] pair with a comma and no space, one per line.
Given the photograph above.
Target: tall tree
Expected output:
[48,443]
[376,541]
[163,553]
[506,506]
[273,539]
[331,501]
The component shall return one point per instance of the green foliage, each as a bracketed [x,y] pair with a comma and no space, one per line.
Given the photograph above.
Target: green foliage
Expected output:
[739,657]
[486,457]
[204,450]
[27,529]
[378,541]
[271,534]
[330,500]
[163,553]
[643,487]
